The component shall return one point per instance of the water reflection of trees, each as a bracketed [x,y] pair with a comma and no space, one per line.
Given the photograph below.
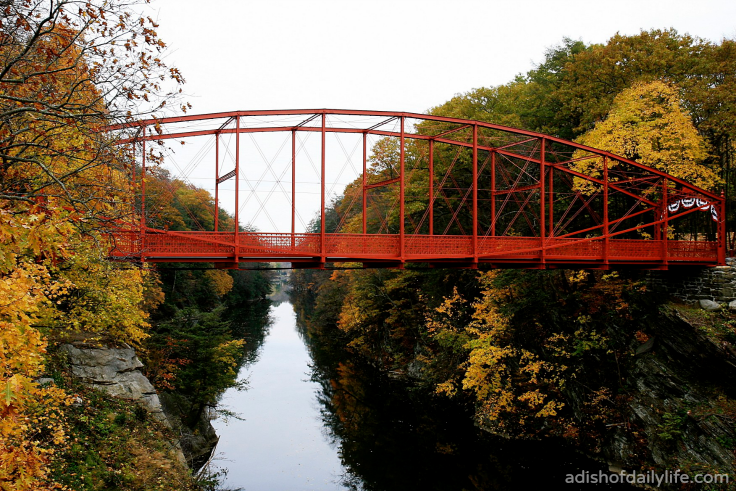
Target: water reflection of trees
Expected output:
[394,435]
[251,322]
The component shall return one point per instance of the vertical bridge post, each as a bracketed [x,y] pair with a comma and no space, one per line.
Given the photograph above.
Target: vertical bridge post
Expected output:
[217,179]
[237,190]
[475,196]
[143,195]
[666,218]
[606,230]
[493,193]
[431,187]
[542,178]
[322,248]
[365,191]
[721,236]
[293,188]
[401,195]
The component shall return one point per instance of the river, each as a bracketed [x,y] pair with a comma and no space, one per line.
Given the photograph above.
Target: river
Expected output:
[314,420]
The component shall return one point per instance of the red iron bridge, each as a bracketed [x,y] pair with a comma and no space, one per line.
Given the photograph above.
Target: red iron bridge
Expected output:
[444,192]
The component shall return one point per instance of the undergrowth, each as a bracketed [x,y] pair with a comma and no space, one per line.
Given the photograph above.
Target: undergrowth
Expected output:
[115,444]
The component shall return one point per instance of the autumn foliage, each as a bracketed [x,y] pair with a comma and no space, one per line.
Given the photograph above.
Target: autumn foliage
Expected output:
[649,125]
[67,69]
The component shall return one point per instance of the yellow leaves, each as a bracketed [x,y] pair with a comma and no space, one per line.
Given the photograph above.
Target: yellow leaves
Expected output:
[351,315]
[106,297]
[487,371]
[448,388]
[509,383]
[226,353]
[220,281]
[31,427]
[53,276]
[578,276]
[27,287]
[648,124]
[450,313]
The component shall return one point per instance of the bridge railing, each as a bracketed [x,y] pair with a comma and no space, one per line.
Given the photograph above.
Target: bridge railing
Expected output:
[220,246]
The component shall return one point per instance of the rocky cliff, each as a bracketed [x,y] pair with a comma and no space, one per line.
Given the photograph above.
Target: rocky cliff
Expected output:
[117,371]
[679,412]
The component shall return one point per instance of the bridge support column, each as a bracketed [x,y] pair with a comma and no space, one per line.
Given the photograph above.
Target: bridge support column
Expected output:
[293,188]
[606,230]
[542,209]
[143,196]
[322,245]
[401,194]
[365,191]
[721,236]
[551,202]
[217,179]
[431,187]
[665,217]
[236,249]
[493,193]
[475,197]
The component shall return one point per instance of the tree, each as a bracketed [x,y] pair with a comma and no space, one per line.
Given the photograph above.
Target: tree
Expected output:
[529,101]
[69,68]
[648,124]
[591,80]
[205,341]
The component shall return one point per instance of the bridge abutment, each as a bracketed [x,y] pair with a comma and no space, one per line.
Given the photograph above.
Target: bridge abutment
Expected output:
[696,283]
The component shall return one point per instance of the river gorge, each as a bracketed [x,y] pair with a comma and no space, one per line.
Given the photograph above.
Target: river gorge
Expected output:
[312,417]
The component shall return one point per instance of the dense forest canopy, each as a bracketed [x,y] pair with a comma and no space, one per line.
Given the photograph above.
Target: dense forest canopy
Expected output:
[663,98]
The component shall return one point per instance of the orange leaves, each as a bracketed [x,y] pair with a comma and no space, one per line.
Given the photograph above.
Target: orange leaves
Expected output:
[65,80]
[50,276]
[31,429]
[30,423]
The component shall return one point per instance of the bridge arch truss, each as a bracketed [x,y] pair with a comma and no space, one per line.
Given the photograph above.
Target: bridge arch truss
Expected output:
[441,191]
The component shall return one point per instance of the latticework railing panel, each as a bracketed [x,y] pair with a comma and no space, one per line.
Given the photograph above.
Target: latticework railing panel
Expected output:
[632,248]
[357,245]
[574,248]
[429,246]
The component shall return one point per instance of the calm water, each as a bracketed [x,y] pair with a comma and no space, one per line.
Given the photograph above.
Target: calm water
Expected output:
[281,442]
[314,420]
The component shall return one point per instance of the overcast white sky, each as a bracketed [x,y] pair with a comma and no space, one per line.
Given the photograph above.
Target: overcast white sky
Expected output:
[401,55]
[394,55]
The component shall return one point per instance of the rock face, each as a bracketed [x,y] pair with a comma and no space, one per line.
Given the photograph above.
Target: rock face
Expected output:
[197,442]
[116,371]
[674,402]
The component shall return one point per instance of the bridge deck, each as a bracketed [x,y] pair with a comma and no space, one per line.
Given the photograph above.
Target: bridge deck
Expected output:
[386,250]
